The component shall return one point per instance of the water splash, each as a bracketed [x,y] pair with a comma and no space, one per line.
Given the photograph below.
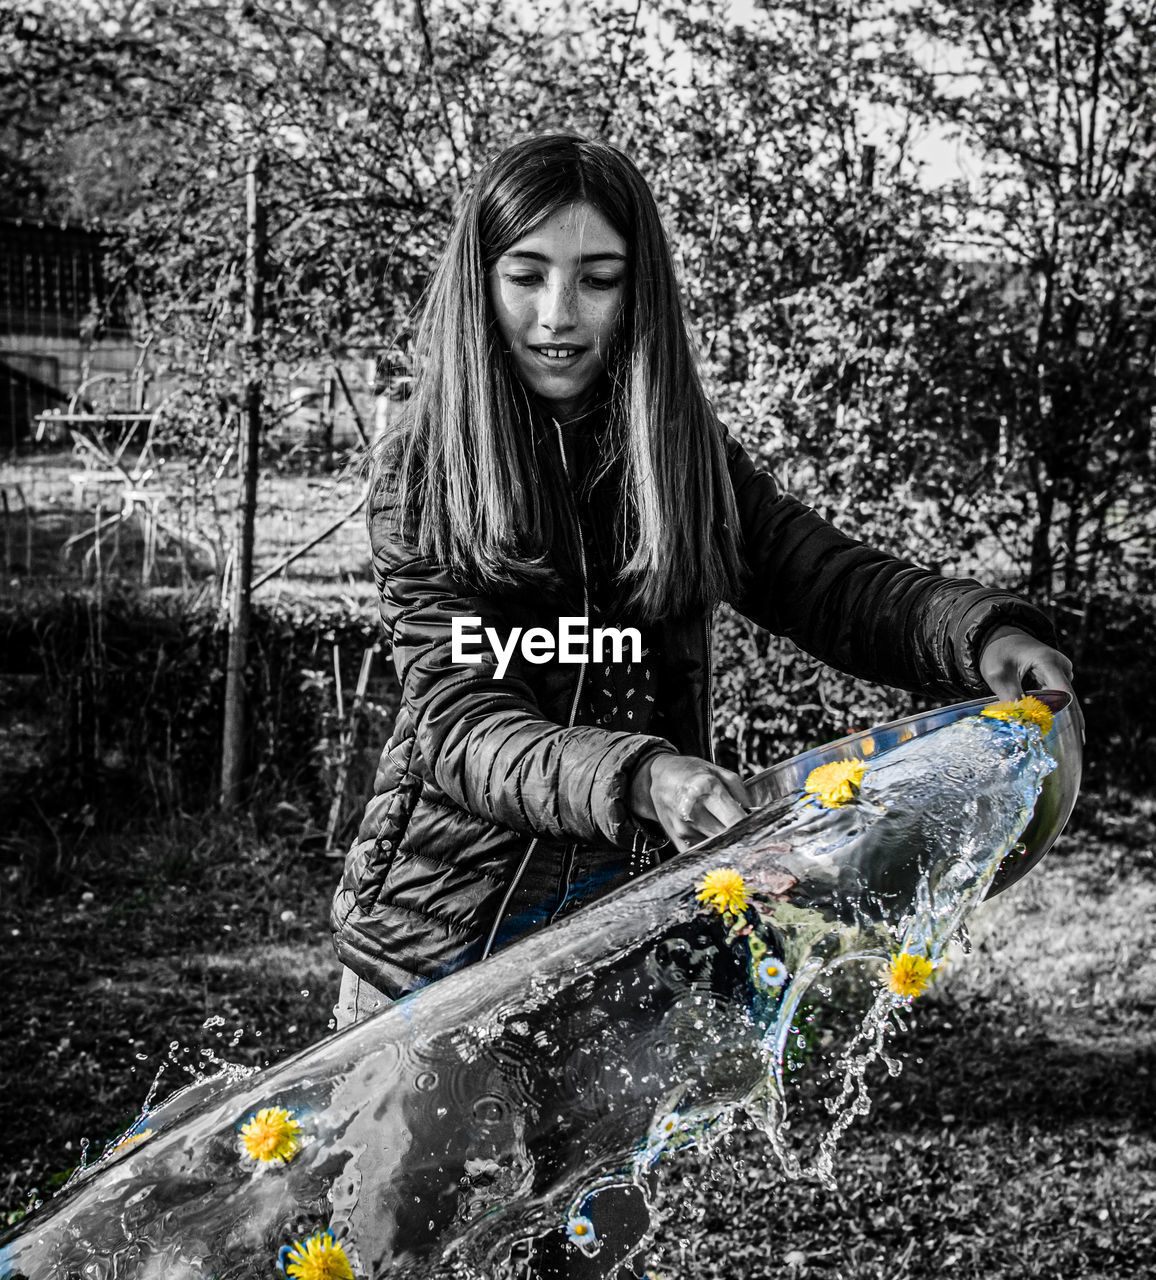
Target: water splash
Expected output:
[486,1108]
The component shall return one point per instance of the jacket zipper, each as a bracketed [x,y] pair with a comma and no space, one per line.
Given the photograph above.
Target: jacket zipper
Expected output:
[568,856]
[571,849]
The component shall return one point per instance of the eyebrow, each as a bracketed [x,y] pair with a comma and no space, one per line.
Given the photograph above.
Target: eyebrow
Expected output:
[534,256]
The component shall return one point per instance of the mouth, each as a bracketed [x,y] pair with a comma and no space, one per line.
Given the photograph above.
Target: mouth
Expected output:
[557,354]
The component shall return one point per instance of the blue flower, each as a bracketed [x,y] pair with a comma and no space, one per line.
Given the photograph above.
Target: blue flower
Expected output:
[580,1231]
[665,1129]
[770,972]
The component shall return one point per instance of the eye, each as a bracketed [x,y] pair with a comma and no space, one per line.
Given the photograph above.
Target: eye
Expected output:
[603,282]
[523,279]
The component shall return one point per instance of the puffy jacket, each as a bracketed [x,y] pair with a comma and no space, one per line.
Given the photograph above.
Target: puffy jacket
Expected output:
[485,777]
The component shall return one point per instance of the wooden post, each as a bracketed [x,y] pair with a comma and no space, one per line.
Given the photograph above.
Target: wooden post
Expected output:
[27,534]
[329,407]
[233,762]
[347,742]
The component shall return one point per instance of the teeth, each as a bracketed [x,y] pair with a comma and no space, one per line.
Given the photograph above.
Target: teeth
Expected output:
[556,353]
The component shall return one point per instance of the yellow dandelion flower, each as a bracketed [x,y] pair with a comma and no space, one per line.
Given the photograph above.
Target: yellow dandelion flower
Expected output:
[319,1257]
[271,1134]
[836,783]
[908,975]
[724,889]
[1024,710]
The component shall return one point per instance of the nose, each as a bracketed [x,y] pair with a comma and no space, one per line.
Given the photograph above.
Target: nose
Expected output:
[559,309]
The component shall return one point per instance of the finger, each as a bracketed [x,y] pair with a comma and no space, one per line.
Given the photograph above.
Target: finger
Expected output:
[723,809]
[738,788]
[688,803]
[1054,677]
[1050,670]
[1005,684]
[1054,674]
[676,817]
[714,814]
[685,833]
[683,837]
[694,822]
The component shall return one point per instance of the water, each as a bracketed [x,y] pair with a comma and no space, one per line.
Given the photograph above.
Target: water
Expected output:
[486,1107]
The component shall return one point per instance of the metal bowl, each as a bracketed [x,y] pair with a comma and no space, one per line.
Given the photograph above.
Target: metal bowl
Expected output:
[1053,807]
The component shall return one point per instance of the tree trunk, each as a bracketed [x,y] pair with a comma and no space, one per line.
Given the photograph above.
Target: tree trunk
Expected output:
[234,770]
[1041,573]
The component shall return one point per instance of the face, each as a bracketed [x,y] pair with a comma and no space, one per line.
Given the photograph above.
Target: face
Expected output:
[557,295]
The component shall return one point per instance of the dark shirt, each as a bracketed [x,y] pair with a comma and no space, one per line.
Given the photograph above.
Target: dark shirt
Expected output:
[616,695]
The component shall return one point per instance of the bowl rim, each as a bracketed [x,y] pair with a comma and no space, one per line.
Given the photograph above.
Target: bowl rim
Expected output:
[1053,806]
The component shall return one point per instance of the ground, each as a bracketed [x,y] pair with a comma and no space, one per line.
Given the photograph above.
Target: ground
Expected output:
[1017,1141]
[1019,1138]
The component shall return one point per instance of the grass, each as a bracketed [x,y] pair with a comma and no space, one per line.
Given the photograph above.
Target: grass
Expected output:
[43,510]
[1018,1140]
[115,975]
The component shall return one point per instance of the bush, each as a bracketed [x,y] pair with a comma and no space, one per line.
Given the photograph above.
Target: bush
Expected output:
[115,709]
[116,712]
[772,701]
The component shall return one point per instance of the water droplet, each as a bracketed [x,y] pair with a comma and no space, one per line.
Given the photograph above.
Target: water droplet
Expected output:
[490,1109]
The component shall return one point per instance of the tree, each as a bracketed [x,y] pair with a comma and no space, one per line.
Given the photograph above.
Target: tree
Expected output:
[960,372]
[1057,101]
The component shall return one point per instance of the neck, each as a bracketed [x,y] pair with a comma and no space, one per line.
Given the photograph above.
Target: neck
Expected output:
[572,413]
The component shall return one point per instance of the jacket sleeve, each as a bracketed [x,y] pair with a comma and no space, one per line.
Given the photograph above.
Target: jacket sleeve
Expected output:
[858,609]
[489,745]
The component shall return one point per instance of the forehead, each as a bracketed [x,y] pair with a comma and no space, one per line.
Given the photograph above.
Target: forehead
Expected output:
[573,231]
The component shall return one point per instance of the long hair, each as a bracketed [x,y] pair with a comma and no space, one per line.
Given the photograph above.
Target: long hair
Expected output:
[470,482]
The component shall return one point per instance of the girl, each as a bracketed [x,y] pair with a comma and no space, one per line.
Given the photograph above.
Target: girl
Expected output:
[561,472]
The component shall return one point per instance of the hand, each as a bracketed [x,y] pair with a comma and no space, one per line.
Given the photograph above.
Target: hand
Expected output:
[689,798]
[1009,656]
